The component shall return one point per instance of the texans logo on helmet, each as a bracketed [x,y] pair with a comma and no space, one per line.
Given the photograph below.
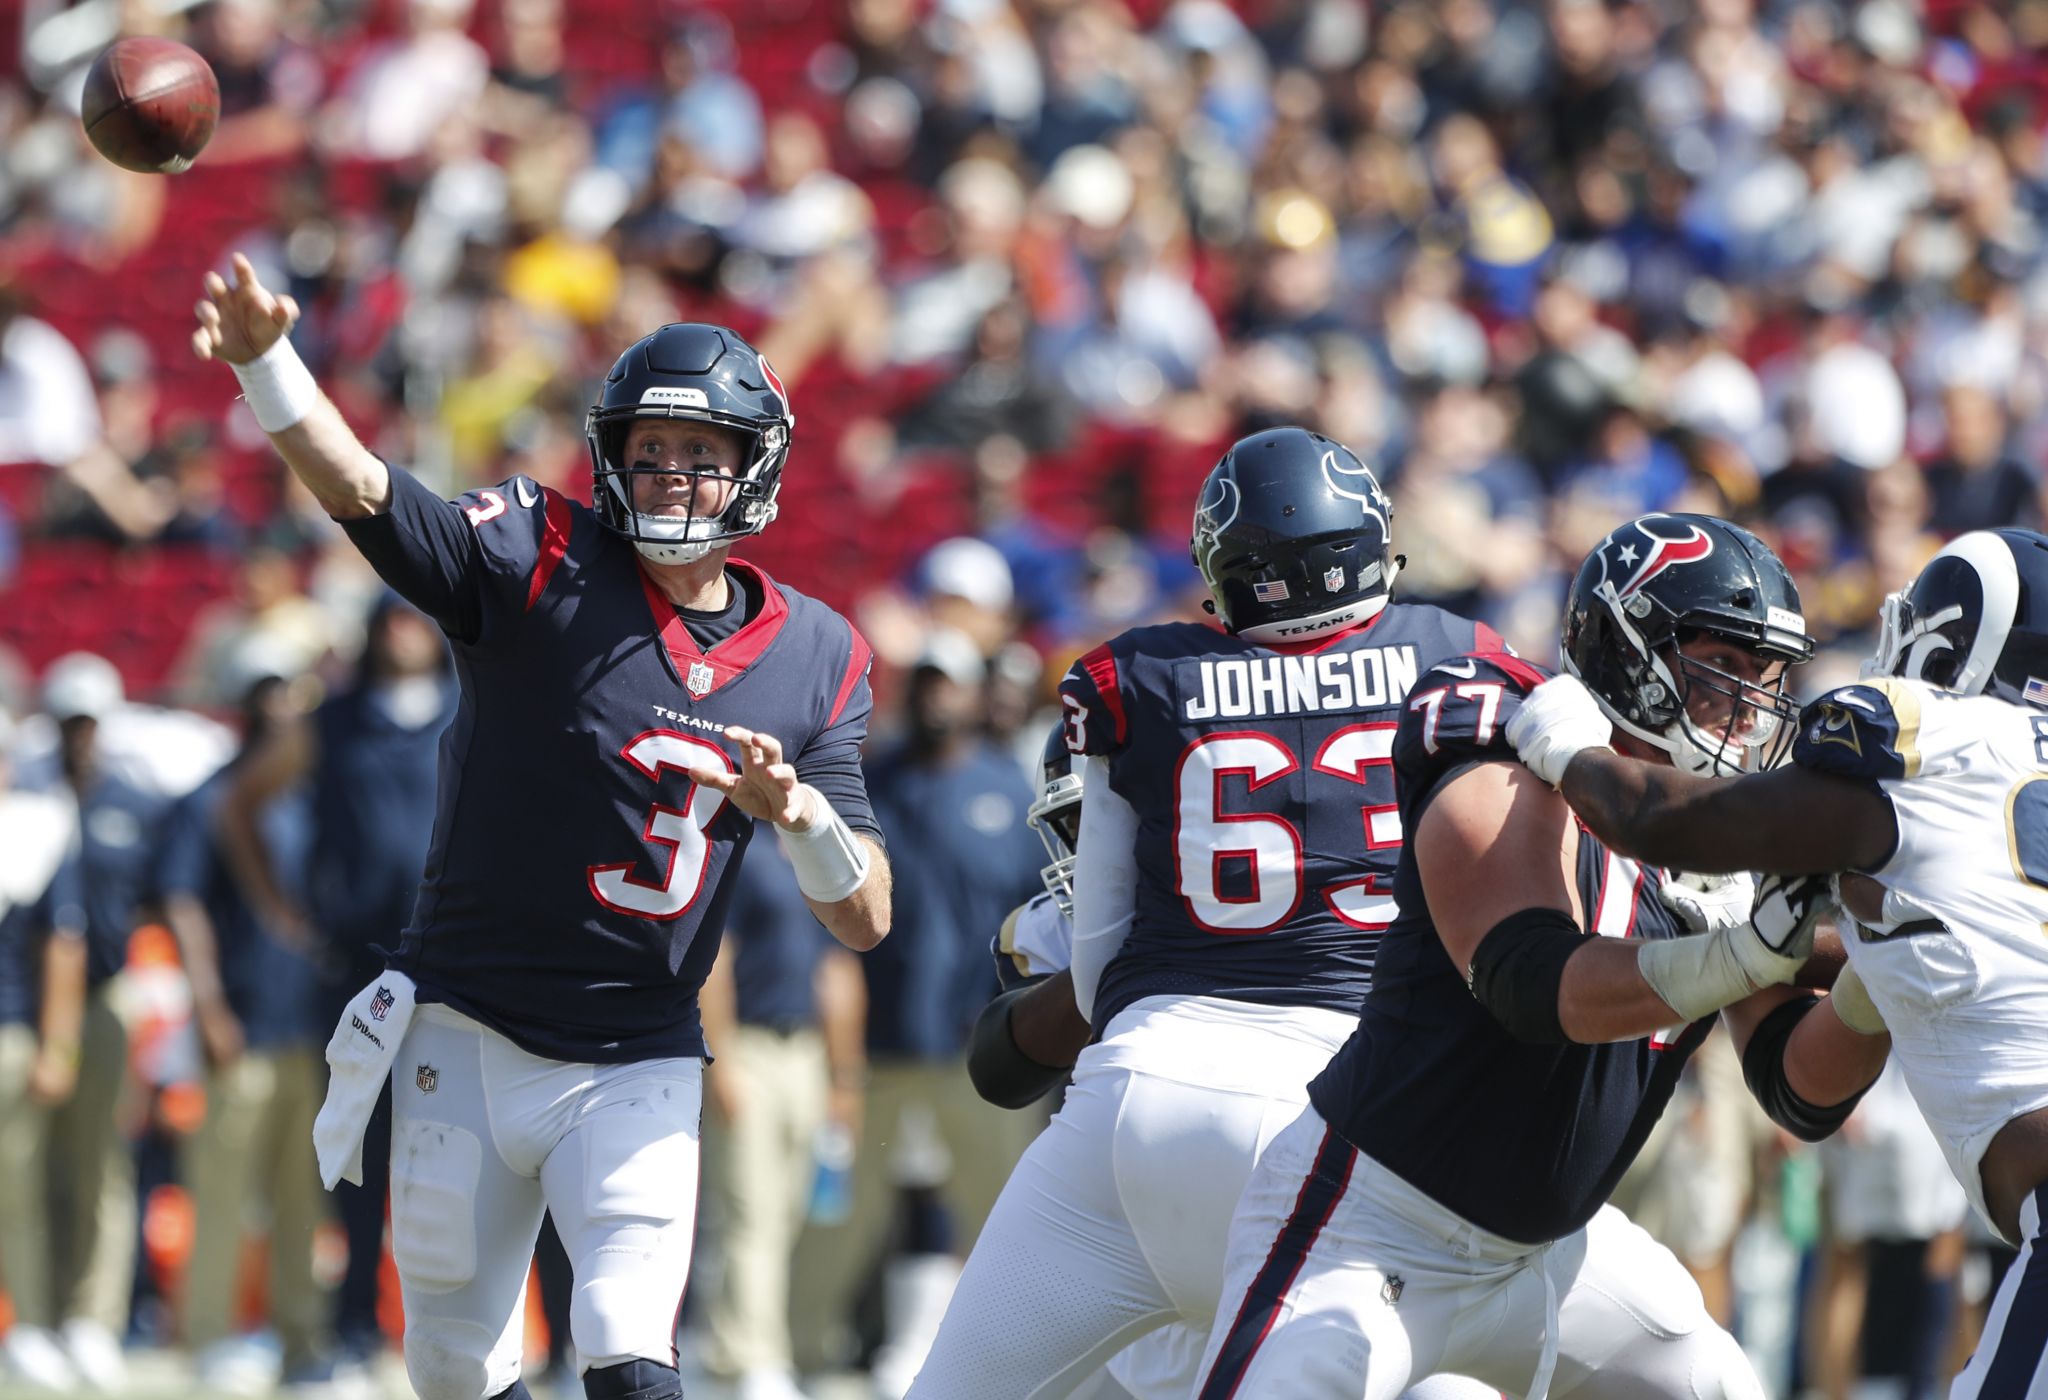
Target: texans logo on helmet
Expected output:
[1372,502]
[1218,509]
[1629,568]
[775,382]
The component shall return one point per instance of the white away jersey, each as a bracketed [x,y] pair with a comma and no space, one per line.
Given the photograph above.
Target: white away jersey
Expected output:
[1959,964]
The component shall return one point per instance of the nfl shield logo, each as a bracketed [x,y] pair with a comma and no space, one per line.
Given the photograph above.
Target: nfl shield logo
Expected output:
[1390,1291]
[1333,580]
[380,1004]
[428,1078]
[698,682]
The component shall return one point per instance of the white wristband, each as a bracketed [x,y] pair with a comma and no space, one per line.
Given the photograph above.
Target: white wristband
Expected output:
[830,861]
[278,386]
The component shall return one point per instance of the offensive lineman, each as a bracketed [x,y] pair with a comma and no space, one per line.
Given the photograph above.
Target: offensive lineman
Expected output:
[1441,1205]
[1238,836]
[1927,785]
[628,696]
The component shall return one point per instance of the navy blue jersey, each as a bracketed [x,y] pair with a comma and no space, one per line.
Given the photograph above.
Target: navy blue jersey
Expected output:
[1526,1141]
[778,941]
[272,987]
[577,882]
[108,874]
[976,860]
[1262,779]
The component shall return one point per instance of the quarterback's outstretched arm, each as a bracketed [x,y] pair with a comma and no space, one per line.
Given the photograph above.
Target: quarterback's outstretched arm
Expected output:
[246,326]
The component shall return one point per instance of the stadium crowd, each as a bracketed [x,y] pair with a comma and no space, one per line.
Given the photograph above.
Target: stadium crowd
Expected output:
[1025,266]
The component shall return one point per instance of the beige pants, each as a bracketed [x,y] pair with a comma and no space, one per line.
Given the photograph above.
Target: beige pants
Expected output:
[913,1107]
[92,1176]
[256,1150]
[24,1208]
[758,1172]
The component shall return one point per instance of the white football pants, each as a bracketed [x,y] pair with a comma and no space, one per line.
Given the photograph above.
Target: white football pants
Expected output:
[1344,1281]
[1115,1220]
[484,1137]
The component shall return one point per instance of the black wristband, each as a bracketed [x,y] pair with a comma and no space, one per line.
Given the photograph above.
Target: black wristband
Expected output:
[1763,1069]
[1003,1074]
[1518,968]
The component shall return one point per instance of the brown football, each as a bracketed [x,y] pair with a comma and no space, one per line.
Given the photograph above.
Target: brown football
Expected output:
[150,105]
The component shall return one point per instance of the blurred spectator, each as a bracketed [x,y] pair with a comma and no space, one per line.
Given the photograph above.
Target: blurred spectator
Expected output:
[948,794]
[938,310]
[257,1005]
[699,102]
[47,411]
[1975,483]
[42,996]
[269,86]
[367,761]
[99,898]
[968,592]
[405,87]
[786,1005]
[268,612]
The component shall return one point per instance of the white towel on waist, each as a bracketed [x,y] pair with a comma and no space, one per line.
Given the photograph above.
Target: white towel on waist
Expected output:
[359,1057]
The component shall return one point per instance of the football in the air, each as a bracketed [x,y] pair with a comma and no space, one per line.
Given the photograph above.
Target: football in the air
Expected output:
[150,105]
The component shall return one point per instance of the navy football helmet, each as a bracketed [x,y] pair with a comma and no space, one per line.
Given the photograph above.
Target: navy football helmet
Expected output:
[1975,620]
[1658,582]
[1056,815]
[708,374]
[1294,537]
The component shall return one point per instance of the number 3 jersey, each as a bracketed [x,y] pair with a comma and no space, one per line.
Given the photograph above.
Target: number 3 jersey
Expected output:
[1959,964]
[1262,780]
[577,882]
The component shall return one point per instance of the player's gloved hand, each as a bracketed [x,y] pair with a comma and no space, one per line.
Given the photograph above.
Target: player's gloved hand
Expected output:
[1786,912]
[1890,636]
[1704,903]
[1698,975]
[1556,722]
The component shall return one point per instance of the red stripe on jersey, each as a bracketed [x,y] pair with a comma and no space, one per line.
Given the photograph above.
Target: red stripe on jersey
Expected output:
[856,667]
[1522,671]
[729,658]
[1485,639]
[554,544]
[1100,664]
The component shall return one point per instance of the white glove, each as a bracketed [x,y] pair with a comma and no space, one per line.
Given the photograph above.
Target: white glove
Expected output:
[1556,722]
[1698,975]
[1704,903]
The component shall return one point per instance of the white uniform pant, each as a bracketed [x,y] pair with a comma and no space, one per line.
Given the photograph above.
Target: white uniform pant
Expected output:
[484,1137]
[1343,1282]
[2009,1360]
[1114,1223]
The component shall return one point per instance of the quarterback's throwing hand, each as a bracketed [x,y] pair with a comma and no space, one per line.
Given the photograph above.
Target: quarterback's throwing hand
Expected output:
[765,788]
[238,323]
[1556,722]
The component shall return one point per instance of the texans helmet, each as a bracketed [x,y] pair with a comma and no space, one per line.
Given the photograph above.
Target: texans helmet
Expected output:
[1658,582]
[1294,537]
[1975,620]
[1056,815]
[708,374]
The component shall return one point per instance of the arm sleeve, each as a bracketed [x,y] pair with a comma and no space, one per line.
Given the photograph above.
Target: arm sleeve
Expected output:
[461,562]
[831,761]
[1105,882]
[1092,704]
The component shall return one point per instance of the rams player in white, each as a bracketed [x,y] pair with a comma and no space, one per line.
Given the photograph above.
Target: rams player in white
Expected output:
[1926,786]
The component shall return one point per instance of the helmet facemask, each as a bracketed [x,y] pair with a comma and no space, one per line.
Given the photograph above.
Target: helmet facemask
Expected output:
[1659,687]
[1056,817]
[684,539]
